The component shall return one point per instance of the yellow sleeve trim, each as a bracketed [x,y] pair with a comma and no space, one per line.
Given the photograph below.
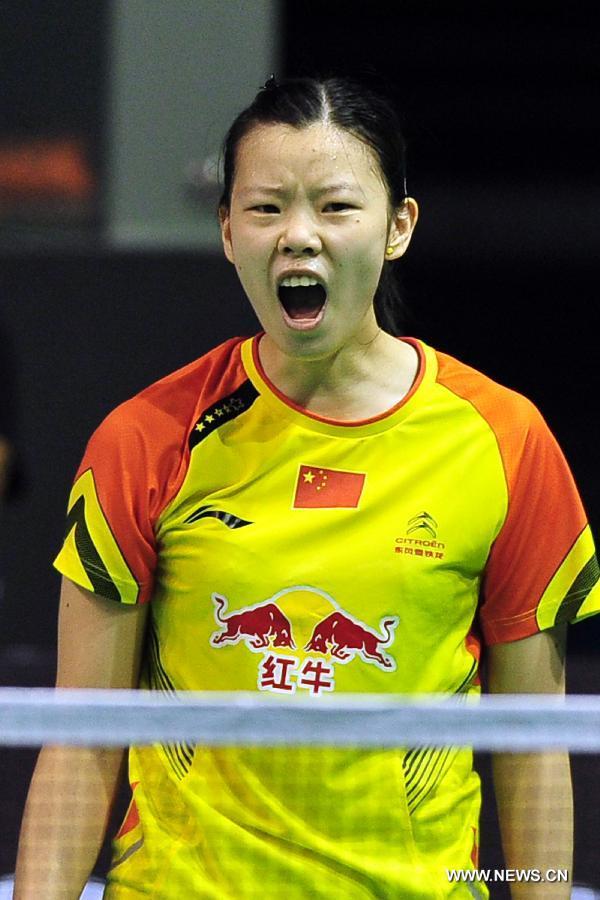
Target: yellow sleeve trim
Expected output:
[90,555]
[570,595]
[591,604]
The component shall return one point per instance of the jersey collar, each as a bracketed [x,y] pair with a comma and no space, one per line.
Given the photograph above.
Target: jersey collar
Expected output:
[283,406]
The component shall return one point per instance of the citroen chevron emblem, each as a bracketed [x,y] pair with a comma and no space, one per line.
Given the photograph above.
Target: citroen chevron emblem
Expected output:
[423,522]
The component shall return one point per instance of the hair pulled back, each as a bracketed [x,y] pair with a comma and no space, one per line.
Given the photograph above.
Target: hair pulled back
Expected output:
[348,105]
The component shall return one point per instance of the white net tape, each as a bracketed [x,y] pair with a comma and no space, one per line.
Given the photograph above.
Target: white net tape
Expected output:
[31,717]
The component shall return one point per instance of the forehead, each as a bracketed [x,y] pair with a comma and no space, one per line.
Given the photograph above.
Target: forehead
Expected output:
[320,152]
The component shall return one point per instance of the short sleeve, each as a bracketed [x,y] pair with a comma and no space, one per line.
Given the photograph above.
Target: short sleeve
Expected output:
[133,467]
[542,569]
[109,546]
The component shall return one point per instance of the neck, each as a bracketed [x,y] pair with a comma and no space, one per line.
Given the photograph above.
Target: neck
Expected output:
[350,384]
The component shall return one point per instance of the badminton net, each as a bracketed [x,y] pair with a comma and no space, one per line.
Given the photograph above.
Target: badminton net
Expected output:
[266,768]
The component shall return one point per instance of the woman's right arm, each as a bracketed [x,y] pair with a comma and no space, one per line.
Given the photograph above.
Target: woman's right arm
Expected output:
[100,645]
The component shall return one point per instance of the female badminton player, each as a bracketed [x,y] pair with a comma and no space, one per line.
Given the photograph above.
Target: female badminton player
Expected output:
[322,508]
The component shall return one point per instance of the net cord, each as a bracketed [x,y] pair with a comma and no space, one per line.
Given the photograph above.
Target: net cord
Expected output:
[112,718]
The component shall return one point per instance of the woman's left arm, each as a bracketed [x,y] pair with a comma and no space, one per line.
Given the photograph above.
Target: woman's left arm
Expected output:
[533,790]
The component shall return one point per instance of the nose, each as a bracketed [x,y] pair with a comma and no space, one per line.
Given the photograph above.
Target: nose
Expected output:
[300,236]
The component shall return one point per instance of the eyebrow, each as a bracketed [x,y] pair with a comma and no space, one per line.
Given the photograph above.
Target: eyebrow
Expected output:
[280,191]
[338,187]
[262,189]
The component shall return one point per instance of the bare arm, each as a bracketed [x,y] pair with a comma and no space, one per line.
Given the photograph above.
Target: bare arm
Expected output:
[533,790]
[72,789]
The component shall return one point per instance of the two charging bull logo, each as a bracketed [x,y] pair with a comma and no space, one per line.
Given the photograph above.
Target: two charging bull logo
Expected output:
[322,633]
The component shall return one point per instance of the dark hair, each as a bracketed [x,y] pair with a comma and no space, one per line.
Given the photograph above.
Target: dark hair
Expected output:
[349,105]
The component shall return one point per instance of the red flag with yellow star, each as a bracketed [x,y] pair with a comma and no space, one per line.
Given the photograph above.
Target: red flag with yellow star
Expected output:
[318,488]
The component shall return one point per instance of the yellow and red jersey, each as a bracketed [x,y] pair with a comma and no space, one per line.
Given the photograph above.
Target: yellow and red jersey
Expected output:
[287,553]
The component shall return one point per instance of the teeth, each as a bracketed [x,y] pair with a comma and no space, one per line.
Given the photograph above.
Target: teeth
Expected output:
[298,281]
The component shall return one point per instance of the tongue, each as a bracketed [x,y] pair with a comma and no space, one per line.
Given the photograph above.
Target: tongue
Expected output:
[302,302]
[304,312]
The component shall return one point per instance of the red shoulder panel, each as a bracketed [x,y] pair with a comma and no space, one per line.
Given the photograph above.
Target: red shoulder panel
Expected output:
[545,514]
[140,453]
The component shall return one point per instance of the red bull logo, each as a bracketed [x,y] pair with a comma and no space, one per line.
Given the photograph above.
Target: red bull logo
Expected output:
[344,637]
[326,635]
[257,625]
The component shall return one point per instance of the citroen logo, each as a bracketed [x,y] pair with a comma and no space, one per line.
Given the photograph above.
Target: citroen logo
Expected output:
[423,522]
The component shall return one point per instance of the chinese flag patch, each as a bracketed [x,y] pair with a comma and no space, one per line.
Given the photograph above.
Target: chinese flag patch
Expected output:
[327,488]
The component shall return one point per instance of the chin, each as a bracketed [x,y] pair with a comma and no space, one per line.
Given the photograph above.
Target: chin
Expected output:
[310,346]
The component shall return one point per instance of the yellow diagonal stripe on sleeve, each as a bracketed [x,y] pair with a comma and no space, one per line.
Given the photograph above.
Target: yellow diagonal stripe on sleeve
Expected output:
[568,589]
[591,604]
[69,563]
[90,555]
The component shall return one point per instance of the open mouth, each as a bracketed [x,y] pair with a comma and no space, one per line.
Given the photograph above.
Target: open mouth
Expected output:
[302,298]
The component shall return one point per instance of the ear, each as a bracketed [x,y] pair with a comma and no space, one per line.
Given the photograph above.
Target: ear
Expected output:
[225,223]
[402,226]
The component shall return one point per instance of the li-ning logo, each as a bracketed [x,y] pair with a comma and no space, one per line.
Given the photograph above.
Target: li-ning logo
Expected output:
[420,539]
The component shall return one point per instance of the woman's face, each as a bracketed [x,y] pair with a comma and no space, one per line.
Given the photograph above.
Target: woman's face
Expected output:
[307,230]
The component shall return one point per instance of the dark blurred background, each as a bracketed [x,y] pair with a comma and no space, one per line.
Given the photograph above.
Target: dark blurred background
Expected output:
[111,115]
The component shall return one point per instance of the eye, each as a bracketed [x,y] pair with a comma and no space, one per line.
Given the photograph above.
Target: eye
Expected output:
[337,207]
[265,208]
